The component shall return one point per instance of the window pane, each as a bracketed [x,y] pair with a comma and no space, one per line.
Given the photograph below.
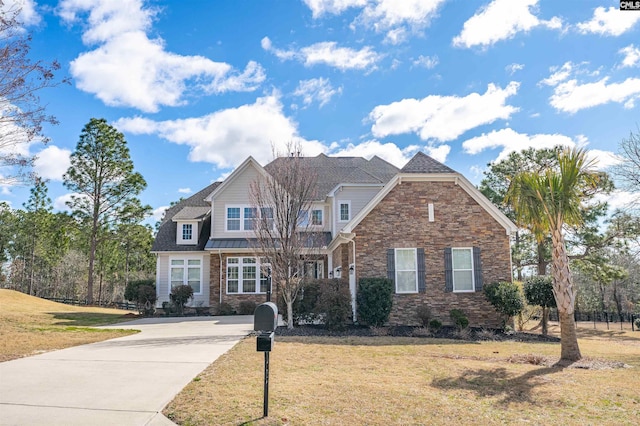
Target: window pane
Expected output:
[461,258]
[193,274]
[462,280]
[249,260]
[191,262]
[303,218]
[405,259]
[233,213]
[344,211]
[232,260]
[250,215]
[316,217]
[248,286]
[249,272]
[233,224]
[177,274]
[232,286]
[195,285]
[233,218]
[177,261]
[187,231]
[264,278]
[406,281]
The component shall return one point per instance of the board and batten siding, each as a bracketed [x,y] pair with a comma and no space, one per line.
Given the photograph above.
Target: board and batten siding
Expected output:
[162,277]
[237,193]
[358,196]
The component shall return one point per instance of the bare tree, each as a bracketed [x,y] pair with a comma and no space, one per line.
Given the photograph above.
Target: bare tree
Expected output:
[282,203]
[628,171]
[21,113]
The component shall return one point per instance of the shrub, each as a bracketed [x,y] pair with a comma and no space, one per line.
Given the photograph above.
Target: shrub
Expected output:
[246,307]
[335,303]
[505,297]
[424,315]
[637,324]
[305,307]
[435,325]
[226,309]
[180,295]
[539,292]
[459,319]
[143,293]
[375,297]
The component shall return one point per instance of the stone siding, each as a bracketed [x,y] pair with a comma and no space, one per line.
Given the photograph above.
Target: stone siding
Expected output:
[401,220]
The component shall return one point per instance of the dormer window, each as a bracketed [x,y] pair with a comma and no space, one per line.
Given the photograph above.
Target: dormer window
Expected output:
[187,231]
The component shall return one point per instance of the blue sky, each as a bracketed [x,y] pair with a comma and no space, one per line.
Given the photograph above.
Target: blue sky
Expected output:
[196,86]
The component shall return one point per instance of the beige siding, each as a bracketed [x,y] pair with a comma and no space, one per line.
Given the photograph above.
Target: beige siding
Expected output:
[358,196]
[162,277]
[235,194]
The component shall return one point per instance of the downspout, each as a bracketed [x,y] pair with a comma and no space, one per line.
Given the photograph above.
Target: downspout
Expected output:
[220,256]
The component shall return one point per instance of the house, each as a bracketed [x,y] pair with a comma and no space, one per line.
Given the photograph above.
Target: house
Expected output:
[425,226]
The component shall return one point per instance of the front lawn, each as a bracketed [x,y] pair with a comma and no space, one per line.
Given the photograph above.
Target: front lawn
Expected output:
[402,380]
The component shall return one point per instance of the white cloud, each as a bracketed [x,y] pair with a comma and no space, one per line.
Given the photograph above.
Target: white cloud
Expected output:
[438,153]
[610,22]
[513,68]
[317,90]
[158,213]
[509,141]
[500,20]
[619,199]
[387,151]
[631,56]
[249,129]
[572,96]
[130,69]
[327,53]
[429,62]
[394,17]
[60,203]
[185,190]
[558,75]
[443,118]
[604,159]
[52,162]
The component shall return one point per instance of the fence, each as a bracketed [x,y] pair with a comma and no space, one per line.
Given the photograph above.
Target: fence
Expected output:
[595,316]
[78,302]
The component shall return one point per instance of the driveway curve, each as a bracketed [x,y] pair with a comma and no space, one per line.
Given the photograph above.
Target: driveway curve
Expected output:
[123,381]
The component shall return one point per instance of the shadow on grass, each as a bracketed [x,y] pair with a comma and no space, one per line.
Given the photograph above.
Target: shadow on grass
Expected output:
[87,319]
[499,382]
[373,340]
[607,334]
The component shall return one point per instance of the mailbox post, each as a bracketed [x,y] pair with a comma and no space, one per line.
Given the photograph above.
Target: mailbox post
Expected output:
[265,321]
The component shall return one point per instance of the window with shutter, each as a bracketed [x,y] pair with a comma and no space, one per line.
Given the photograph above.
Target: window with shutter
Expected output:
[463,270]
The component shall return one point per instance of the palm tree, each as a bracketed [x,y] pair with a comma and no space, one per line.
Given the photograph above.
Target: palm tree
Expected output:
[548,200]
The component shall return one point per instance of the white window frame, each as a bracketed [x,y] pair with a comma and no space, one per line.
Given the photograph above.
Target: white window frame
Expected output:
[258,265]
[454,269]
[185,271]
[340,203]
[184,227]
[321,217]
[180,232]
[242,218]
[415,270]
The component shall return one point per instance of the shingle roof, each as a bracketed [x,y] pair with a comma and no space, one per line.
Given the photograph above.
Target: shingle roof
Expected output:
[192,213]
[315,240]
[422,163]
[166,237]
[331,171]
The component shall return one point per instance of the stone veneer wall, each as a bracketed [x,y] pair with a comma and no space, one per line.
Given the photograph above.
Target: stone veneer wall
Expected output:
[401,220]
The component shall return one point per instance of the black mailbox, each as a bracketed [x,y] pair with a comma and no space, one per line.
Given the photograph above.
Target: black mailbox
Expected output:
[265,342]
[265,317]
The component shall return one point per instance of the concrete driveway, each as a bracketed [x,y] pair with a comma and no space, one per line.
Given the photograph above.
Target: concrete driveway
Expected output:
[123,381]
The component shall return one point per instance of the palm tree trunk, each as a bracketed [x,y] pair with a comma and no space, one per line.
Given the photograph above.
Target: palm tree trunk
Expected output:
[565,294]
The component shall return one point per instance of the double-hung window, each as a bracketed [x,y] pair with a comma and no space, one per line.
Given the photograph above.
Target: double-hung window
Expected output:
[245,218]
[344,211]
[233,218]
[250,217]
[462,266]
[247,275]
[186,272]
[316,217]
[406,268]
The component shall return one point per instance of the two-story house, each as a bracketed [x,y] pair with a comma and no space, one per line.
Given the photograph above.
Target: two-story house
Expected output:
[424,226]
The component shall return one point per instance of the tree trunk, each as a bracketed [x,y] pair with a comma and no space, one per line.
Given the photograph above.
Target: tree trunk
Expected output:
[545,320]
[565,295]
[290,315]
[569,342]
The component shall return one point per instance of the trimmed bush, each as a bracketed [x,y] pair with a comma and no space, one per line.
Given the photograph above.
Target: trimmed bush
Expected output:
[375,298]
[143,294]
[305,307]
[246,307]
[435,325]
[459,319]
[131,291]
[539,292]
[335,303]
[424,315]
[180,295]
[505,297]
[226,309]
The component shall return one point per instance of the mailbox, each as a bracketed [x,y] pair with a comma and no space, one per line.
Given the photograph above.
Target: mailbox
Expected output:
[265,317]
[265,342]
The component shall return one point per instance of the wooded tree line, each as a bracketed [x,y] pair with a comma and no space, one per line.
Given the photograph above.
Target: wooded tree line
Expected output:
[93,251]
[603,247]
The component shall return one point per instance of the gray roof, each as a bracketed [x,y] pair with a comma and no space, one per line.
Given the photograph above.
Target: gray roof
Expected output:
[192,213]
[422,163]
[315,239]
[166,237]
[331,171]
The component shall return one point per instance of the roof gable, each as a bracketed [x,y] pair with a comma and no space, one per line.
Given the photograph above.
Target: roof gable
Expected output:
[242,168]
[422,163]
